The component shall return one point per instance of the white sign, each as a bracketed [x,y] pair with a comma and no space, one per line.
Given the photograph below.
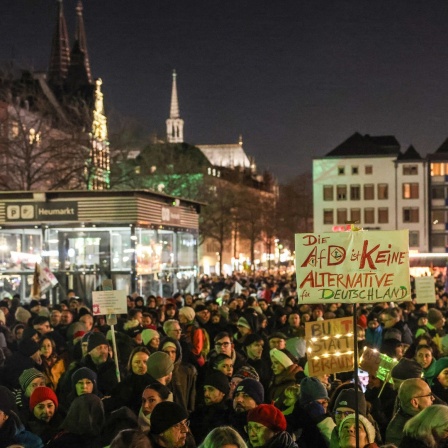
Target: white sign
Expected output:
[425,290]
[353,267]
[109,302]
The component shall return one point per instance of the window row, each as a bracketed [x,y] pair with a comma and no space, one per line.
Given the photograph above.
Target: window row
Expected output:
[406,169]
[410,215]
[409,191]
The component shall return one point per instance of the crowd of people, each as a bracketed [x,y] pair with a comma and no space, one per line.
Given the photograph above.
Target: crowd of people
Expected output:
[226,367]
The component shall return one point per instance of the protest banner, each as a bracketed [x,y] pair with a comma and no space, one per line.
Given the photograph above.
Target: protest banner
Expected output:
[330,346]
[353,267]
[377,364]
[425,290]
[109,302]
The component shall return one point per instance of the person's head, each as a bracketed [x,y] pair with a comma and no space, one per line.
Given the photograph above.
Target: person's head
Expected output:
[151,338]
[152,395]
[169,424]
[55,317]
[311,389]
[30,379]
[172,329]
[436,318]
[253,345]
[98,348]
[223,363]
[216,388]
[243,326]
[171,347]
[345,404]
[66,317]
[84,381]
[347,432]
[146,319]
[292,394]
[7,405]
[405,369]
[223,437]
[202,313]
[248,395]
[186,315]
[414,395]
[137,360]
[42,324]
[280,361]
[130,438]
[47,347]
[87,320]
[441,371]
[43,403]
[263,423]
[294,320]
[390,317]
[224,343]
[423,355]
[277,340]
[429,426]
[160,367]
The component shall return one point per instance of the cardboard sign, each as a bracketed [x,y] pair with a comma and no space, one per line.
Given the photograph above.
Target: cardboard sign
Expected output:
[425,290]
[353,267]
[330,345]
[109,302]
[377,364]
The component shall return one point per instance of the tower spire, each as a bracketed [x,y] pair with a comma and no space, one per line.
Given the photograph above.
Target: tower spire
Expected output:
[174,124]
[60,51]
[79,71]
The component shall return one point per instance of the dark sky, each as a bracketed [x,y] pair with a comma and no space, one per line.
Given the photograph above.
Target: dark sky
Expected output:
[294,77]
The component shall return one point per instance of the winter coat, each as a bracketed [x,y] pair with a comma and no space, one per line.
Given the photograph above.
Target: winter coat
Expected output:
[280,440]
[13,432]
[276,390]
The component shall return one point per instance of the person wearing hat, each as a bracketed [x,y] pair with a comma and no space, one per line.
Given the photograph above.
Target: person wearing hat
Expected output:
[414,395]
[151,339]
[160,367]
[183,381]
[98,360]
[266,427]
[310,414]
[12,431]
[277,340]
[374,331]
[285,371]
[347,433]
[440,380]
[152,395]
[248,395]
[405,369]
[392,344]
[253,346]
[433,327]
[44,419]
[214,412]
[195,341]
[169,426]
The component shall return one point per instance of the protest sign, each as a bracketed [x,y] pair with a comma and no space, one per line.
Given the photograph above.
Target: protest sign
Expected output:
[353,267]
[377,364]
[425,290]
[330,346]
[109,302]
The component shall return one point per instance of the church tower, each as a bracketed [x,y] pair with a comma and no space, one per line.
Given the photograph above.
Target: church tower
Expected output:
[174,124]
[60,51]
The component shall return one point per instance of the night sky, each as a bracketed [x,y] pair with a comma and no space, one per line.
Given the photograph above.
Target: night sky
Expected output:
[294,77]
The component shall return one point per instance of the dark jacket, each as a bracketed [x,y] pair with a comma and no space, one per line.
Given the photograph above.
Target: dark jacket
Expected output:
[206,418]
[280,440]
[107,378]
[13,432]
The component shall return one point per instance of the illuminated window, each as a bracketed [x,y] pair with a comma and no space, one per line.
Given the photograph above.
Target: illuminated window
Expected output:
[410,214]
[368,169]
[355,192]
[410,169]
[439,169]
[341,192]
[355,170]
[410,191]
[328,192]
[369,192]
[383,191]
[355,214]
[341,216]
[328,216]
[383,215]
[369,215]
[341,170]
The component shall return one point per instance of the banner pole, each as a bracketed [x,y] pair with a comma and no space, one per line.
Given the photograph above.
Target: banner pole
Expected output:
[355,359]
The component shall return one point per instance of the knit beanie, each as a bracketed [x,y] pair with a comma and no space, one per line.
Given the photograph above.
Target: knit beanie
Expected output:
[29,375]
[252,388]
[219,381]
[33,303]
[242,322]
[96,339]
[165,415]
[149,334]
[132,328]
[41,394]
[405,369]
[346,399]
[251,338]
[28,347]
[83,373]
[188,313]
[441,363]
[269,416]
[434,316]
[281,357]
[22,315]
[370,429]
[7,401]
[159,364]
[247,372]
[311,389]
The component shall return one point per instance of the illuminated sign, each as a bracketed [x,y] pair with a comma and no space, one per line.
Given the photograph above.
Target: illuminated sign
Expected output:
[42,211]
